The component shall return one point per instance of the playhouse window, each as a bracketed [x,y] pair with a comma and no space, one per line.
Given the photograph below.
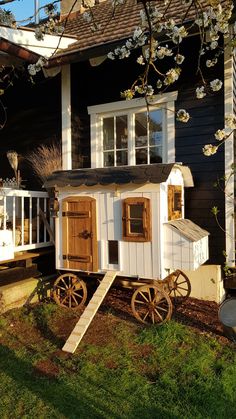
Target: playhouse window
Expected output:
[136,219]
[174,202]
[127,133]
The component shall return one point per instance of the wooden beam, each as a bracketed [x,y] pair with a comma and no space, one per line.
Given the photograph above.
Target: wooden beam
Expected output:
[18,51]
[48,228]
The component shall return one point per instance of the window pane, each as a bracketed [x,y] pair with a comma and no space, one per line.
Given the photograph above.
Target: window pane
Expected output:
[121,132]
[108,159]
[136,226]
[136,211]
[113,252]
[155,127]
[156,155]
[141,129]
[108,133]
[121,158]
[177,201]
[141,156]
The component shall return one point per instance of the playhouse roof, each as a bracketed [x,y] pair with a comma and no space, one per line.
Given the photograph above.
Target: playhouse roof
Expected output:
[153,173]
[189,229]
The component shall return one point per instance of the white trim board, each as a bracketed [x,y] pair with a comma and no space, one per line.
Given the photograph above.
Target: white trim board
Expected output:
[229,160]
[132,104]
[26,38]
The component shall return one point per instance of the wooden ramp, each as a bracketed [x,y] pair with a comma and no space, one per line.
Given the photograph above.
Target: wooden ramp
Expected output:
[89,313]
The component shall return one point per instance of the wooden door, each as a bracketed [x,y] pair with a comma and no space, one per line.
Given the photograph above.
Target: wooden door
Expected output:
[79,238]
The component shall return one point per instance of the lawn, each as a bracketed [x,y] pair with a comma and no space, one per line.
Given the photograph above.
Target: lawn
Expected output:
[120,370]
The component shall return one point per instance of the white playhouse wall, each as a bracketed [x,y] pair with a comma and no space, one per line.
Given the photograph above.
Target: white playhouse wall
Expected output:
[135,258]
[181,252]
[144,259]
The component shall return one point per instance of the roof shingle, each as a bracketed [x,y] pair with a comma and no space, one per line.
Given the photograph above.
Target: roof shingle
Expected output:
[118,25]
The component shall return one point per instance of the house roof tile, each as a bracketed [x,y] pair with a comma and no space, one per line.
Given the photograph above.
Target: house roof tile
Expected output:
[118,25]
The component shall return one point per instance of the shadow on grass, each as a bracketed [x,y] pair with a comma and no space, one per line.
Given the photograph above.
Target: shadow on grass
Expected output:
[76,396]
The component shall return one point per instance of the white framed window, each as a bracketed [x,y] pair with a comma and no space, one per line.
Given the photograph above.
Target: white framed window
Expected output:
[127,133]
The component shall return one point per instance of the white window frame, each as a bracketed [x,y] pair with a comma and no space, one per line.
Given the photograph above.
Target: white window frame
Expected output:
[166,102]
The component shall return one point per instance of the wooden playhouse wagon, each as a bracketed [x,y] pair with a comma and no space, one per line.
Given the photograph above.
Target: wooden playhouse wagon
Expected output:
[126,222]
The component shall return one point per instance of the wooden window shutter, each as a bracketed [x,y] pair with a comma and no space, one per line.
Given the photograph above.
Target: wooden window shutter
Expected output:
[136,219]
[174,202]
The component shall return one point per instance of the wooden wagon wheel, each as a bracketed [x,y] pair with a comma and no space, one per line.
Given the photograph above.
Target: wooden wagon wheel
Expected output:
[69,291]
[150,304]
[180,286]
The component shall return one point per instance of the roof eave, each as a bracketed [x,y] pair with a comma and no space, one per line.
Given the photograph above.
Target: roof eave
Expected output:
[18,51]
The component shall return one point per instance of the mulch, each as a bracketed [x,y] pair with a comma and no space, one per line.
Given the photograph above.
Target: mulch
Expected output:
[200,315]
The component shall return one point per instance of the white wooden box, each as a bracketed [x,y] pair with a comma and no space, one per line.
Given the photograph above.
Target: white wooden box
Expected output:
[6,245]
[185,245]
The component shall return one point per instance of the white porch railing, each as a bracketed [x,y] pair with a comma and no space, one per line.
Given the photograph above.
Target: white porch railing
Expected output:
[19,212]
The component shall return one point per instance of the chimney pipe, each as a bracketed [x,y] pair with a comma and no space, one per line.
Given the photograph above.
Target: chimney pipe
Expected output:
[36,11]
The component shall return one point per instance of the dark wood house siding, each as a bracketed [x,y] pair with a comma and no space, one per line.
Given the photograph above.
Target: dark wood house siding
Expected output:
[33,118]
[103,84]
[207,116]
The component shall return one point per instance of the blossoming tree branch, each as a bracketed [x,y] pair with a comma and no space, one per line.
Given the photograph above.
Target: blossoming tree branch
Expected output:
[159,38]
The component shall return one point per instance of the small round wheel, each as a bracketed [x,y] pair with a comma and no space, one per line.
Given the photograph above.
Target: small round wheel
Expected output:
[69,291]
[180,287]
[150,304]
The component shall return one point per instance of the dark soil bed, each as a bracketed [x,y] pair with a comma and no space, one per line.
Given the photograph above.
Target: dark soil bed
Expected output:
[198,314]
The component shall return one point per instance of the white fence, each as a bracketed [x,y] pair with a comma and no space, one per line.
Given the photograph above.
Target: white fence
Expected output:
[20,212]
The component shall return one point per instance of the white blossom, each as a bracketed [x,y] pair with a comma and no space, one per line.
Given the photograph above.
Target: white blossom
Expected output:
[111,55]
[159,84]
[203,20]
[157,14]
[163,52]
[179,58]
[213,35]
[216,85]
[129,44]
[220,135]
[140,60]
[137,33]
[127,94]
[32,70]
[230,121]
[87,16]
[182,115]
[211,63]
[35,68]
[147,90]
[178,34]
[214,45]
[209,149]
[117,2]
[200,93]
[172,75]
[38,33]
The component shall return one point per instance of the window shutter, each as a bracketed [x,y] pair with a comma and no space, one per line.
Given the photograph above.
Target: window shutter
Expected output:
[174,202]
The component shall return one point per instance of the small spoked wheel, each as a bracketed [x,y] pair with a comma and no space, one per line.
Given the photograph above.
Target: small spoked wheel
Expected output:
[69,291]
[180,287]
[150,304]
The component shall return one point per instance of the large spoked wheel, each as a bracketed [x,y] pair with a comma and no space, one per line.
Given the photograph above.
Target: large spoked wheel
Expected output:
[180,287]
[69,291]
[151,305]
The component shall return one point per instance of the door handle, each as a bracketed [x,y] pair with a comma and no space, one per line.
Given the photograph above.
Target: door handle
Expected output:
[85,235]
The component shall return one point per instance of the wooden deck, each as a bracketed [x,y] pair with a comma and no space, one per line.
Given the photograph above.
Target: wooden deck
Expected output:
[21,267]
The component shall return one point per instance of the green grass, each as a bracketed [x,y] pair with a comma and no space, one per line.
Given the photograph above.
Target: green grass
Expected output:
[134,372]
